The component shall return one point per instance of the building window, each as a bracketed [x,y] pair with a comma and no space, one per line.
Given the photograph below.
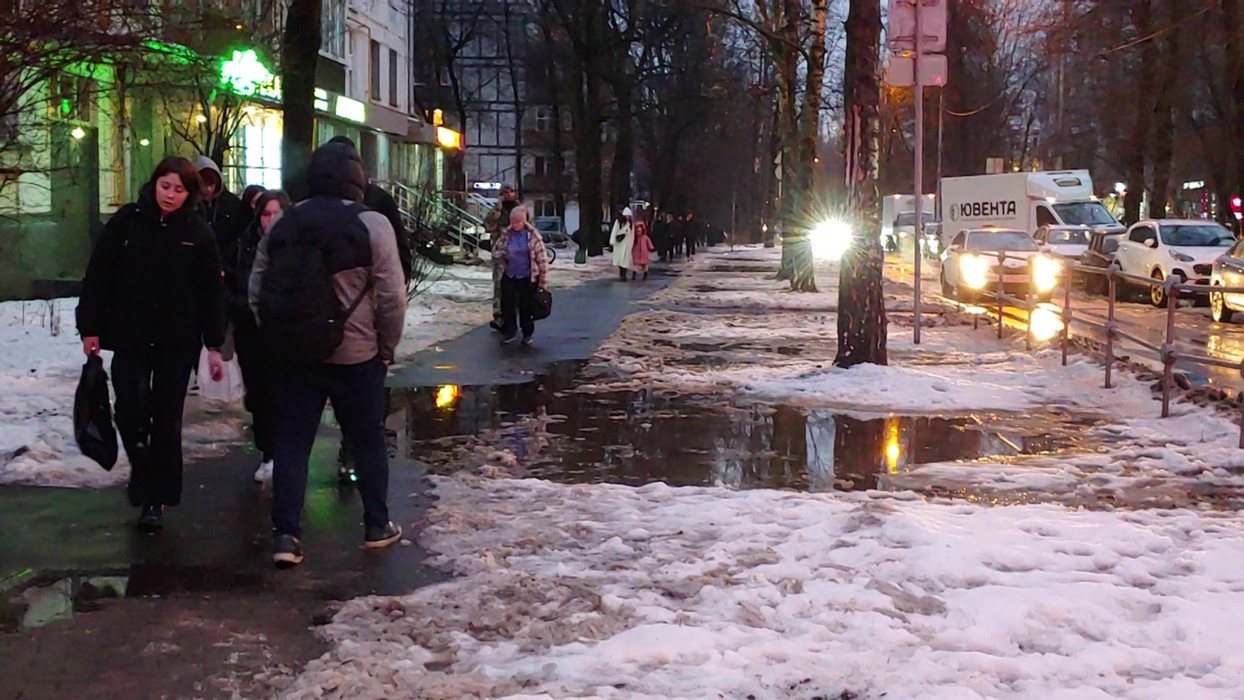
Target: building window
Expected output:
[393,77]
[333,15]
[541,167]
[546,207]
[544,119]
[374,93]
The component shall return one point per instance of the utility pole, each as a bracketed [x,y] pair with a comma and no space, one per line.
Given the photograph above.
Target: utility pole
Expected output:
[919,167]
[941,125]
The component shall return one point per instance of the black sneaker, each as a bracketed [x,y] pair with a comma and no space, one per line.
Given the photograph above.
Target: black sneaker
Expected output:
[152,519]
[528,340]
[509,339]
[495,325]
[381,537]
[286,551]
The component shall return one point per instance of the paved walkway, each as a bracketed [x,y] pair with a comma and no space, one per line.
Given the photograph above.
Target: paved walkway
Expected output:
[218,539]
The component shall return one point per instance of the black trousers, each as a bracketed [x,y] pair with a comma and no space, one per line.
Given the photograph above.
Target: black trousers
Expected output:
[357,393]
[150,388]
[259,374]
[690,240]
[517,306]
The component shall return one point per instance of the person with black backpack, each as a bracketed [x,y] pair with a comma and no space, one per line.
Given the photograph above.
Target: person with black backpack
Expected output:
[153,294]
[328,292]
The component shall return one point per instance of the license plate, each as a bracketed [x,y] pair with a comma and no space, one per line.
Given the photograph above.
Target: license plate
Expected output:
[1015,279]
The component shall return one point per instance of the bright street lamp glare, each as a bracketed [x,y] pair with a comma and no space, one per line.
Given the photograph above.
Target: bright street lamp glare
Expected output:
[830,240]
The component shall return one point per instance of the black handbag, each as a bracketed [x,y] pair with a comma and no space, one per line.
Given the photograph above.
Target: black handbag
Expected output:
[542,304]
[92,415]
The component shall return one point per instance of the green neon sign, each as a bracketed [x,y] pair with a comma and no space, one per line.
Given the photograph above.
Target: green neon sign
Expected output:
[244,74]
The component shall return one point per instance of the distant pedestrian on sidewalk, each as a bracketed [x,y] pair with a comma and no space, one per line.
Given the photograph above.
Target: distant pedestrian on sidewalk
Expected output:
[663,234]
[225,213]
[496,221]
[622,238]
[258,369]
[328,292]
[153,295]
[641,256]
[250,197]
[691,234]
[520,255]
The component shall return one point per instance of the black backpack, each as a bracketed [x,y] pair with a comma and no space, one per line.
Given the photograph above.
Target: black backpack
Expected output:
[300,316]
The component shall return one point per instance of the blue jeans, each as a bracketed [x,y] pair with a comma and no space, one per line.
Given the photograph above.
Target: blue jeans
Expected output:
[357,393]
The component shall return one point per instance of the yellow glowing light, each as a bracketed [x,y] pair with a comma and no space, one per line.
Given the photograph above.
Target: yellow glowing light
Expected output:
[201,119]
[1045,273]
[830,240]
[974,271]
[144,142]
[893,450]
[1046,323]
[447,395]
[78,133]
[448,137]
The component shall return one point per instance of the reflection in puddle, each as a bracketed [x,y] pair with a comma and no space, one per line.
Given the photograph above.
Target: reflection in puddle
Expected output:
[644,436]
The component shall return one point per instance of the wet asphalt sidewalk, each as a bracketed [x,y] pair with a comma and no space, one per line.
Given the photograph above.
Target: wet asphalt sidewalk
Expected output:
[62,548]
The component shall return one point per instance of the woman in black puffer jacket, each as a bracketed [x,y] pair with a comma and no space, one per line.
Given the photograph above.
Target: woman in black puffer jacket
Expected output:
[154,295]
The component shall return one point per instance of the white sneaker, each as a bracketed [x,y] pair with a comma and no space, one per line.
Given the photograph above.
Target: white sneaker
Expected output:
[264,472]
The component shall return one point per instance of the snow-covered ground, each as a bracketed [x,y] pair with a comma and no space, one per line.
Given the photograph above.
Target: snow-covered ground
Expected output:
[613,592]
[41,360]
[605,591]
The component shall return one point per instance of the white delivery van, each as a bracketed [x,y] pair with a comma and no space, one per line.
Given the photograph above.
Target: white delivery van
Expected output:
[1024,201]
[898,218]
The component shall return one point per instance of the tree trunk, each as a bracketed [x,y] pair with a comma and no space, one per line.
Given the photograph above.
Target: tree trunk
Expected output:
[299,55]
[1164,115]
[786,58]
[803,277]
[1235,62]
[586,109]
[624,149]
[861,301]
[1142,18]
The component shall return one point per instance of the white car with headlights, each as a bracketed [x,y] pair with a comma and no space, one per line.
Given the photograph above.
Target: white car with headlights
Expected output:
[970,265]
[1181,248]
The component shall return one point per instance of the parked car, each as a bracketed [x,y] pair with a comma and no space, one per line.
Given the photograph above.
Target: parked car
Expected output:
[1184,249]
[971,265]
[1228,272]
[1099,254]
[1067,242]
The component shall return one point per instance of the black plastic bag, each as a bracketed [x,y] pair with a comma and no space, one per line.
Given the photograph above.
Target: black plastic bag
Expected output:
[92,415]
[542,304]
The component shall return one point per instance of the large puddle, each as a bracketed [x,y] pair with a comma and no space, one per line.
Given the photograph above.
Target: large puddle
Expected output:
[636,437]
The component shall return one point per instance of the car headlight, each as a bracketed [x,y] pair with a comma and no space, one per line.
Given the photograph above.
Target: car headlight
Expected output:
[974,270]
[830,240]
[1181,257]
[1045,273]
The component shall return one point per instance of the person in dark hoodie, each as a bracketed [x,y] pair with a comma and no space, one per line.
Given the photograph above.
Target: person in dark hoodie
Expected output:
[153,295]
[225,213]
[358,251]
[377,199]
[258,370]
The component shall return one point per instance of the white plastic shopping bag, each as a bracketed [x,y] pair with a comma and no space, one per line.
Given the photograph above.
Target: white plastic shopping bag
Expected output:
[229,389]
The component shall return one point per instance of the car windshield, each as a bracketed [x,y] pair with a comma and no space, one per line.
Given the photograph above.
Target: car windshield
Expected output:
[1072,237]
[1084,214]
[908,218]
[1196,236]
[1001,240]
[547,226]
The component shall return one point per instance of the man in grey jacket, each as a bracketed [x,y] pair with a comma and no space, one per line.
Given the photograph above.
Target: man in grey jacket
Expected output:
[360,252]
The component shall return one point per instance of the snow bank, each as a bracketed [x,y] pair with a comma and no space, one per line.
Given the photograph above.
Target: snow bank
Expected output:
[612,592]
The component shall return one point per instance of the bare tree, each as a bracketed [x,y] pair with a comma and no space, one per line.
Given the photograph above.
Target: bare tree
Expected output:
[861,301]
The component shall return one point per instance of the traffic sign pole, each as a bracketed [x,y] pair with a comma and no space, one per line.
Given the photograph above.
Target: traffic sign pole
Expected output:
[919,168]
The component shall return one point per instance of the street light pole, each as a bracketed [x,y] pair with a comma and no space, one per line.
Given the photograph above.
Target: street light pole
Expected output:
[919,166]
